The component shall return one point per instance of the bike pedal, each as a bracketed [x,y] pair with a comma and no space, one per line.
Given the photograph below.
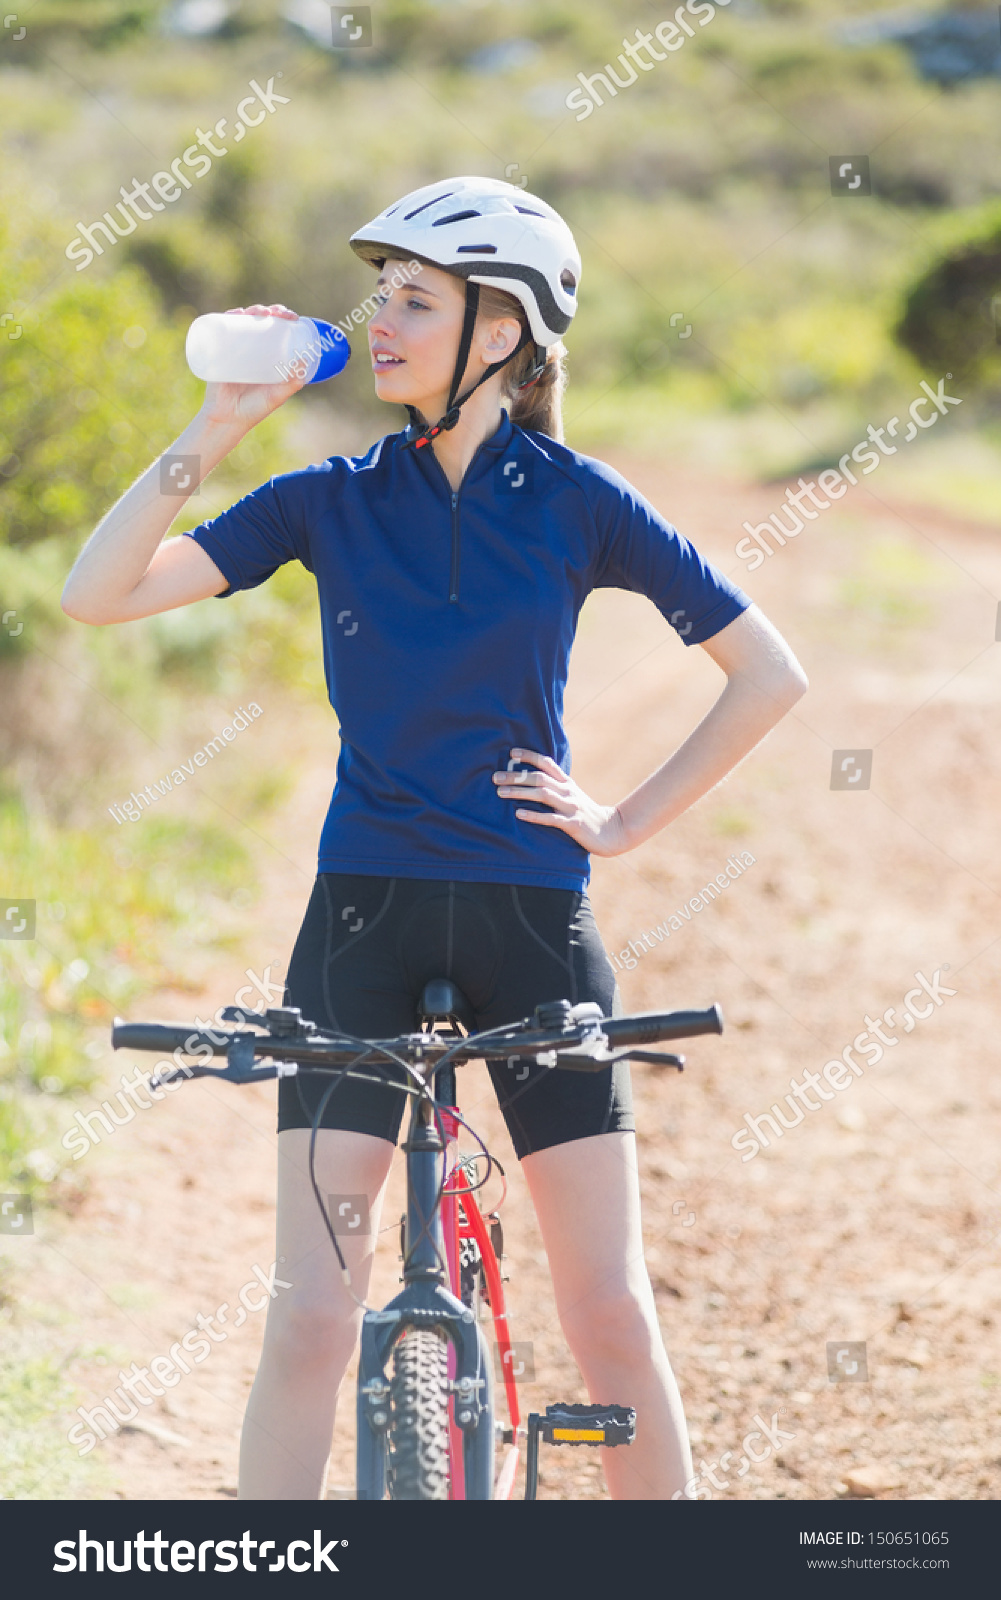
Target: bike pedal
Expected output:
[583,1424]
[575,1424]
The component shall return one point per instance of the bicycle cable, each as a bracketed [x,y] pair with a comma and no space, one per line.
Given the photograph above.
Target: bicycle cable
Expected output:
[338,1076]
[422,1091]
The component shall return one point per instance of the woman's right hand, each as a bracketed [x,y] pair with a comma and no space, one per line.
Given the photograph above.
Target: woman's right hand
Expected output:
[246,404]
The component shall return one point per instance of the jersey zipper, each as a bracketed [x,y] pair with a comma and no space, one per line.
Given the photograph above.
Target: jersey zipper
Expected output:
[453,579]
[453,582]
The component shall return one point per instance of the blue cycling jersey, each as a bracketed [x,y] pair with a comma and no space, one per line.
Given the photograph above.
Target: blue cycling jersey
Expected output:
[448,620]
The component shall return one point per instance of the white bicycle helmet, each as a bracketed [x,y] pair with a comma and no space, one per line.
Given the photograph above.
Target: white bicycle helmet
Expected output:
[484,231]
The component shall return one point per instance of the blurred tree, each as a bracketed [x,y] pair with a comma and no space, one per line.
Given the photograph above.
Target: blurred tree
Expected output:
[952,313]
[91,383]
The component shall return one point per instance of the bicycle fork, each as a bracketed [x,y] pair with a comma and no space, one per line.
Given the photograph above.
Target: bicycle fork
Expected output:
[425,1301]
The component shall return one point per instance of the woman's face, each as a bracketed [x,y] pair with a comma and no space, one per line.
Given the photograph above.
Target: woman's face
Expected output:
[414,337]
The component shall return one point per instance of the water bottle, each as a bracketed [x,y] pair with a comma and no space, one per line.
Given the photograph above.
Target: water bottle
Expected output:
[228,348]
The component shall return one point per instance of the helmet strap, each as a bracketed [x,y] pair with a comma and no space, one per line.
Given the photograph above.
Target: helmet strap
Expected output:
[538,367]
[465,342]
[419,434]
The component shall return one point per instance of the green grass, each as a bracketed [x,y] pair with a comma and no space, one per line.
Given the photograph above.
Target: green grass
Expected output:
[895,584]
[105,934]
[731,823]
[36,1462]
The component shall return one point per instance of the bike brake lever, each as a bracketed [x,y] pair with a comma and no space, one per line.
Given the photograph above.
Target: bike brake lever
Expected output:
[591,1056]
[240,1066]
[652,1055]
[597,1057]
[226,1074]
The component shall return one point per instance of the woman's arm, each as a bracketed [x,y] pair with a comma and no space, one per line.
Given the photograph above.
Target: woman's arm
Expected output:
[127,569]
[764,680]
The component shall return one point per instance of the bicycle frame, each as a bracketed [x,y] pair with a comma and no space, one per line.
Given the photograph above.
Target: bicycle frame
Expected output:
[431,1279]
[463,1219]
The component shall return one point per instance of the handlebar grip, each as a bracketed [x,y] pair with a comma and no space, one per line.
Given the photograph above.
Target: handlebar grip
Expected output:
[164,1036]
[651,1026]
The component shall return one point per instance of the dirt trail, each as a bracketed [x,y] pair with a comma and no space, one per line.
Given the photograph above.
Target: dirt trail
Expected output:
[877,1219]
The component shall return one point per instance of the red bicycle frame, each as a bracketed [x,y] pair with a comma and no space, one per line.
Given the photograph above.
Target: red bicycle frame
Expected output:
[461,1218]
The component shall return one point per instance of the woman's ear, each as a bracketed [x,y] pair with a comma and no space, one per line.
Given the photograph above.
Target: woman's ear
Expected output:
[501,339]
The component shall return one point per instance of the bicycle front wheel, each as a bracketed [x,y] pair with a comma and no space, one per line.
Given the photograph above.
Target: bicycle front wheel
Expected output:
[418,1422]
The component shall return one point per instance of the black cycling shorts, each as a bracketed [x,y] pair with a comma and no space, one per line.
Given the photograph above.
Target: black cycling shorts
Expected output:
[367,947]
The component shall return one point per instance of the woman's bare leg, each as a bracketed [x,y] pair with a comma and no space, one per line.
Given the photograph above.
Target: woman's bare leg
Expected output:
[587,1200]
[312,1327]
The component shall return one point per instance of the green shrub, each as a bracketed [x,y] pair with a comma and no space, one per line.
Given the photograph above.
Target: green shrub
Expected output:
[951,317]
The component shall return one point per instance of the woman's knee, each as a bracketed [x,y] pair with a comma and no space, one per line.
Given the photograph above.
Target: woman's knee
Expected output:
[311,1330]
[617,1329]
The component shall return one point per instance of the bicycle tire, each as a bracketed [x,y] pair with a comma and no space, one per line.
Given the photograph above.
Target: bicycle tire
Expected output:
[417,1468]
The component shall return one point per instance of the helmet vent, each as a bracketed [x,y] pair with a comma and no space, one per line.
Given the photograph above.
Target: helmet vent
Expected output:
[476,249]
[568,281]
[431,202]
[527,211]
[457,216]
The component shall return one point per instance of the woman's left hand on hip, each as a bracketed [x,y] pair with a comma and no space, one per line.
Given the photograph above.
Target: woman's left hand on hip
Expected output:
[596,828]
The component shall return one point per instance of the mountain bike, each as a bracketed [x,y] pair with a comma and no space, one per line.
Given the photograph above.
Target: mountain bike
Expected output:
[428,1431]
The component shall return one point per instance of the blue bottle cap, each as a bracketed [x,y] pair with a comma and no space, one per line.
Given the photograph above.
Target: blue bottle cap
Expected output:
[334,351]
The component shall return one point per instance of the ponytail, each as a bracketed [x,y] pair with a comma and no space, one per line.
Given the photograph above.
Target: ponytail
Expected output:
[541,407]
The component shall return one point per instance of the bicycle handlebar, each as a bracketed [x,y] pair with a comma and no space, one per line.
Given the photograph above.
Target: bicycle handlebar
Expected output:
[168,1036]
[582,1040]
[648,1027]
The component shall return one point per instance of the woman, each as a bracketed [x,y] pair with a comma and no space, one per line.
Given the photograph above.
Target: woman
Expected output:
[451,561]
